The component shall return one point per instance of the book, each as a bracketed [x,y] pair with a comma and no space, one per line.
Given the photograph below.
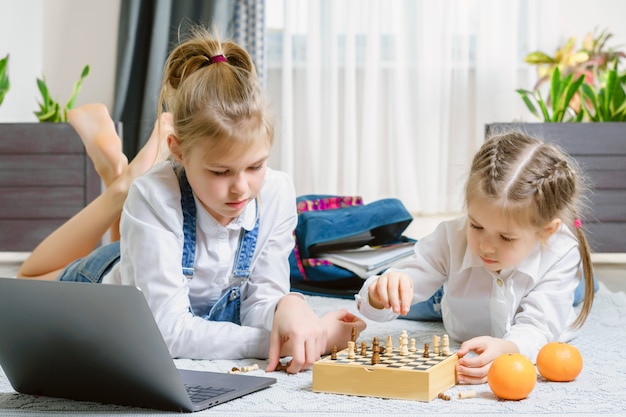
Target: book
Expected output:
[369,260]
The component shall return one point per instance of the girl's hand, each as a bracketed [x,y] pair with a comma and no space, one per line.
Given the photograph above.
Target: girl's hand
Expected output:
[339,325]
[297,332]
[473,370]
[392,290]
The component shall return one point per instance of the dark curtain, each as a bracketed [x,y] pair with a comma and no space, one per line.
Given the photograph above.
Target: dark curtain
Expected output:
[148,29]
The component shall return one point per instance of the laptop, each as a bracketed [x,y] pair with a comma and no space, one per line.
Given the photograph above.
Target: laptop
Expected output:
[98,342]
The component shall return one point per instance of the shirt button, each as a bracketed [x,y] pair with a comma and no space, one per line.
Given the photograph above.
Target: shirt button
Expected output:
[499,282]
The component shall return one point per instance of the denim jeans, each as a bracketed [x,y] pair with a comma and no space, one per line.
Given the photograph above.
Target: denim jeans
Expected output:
[93,267]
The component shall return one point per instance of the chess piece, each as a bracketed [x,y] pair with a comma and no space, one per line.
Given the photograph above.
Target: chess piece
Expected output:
[467,394]
[445,345]
[376,355]
[404,344]
[389,346]
[426,353]
[253,367]
[333,354]
[436,344]
[412,347]
[363,349]
[351,354]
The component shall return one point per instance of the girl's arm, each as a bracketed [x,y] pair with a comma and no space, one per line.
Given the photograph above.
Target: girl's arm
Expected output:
[151,247]
[269,280]
[543,316]
[385,297]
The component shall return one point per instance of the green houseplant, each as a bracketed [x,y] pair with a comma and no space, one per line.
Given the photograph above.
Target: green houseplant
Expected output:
[584,84]
[580,103]
[49,109]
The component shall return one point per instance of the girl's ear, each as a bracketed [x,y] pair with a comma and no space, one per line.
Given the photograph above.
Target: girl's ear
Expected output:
[550,229]
[174,144]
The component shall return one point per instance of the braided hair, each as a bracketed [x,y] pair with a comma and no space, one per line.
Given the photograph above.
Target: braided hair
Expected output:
[533,182]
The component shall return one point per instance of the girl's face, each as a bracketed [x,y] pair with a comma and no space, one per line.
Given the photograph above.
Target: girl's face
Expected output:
[225,182]
[498,241]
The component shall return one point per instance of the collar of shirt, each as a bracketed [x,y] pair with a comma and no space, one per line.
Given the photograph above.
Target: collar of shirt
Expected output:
[557,245]
[247,218]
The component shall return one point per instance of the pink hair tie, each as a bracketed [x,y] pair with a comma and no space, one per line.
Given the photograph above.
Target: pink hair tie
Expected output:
[578,223]
[217,58]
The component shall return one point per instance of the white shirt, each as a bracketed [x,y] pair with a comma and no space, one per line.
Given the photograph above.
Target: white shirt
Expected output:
[151,251]
[529,304]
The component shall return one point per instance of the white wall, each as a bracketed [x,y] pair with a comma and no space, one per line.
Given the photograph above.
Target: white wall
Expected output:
[21,36]
[57,38]
[577,17]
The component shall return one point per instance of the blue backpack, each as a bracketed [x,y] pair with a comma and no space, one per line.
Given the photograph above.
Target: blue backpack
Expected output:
[329,222]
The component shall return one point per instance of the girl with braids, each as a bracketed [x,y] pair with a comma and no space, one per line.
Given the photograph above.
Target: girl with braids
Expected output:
[206,226]
[505,275]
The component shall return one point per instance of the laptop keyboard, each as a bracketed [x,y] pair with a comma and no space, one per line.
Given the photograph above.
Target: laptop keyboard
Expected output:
[199,393]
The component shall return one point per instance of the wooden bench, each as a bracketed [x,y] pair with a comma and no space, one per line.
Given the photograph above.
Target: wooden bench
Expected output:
[45,178]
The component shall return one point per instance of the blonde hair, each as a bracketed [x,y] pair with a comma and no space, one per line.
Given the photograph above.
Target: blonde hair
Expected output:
[534,183]
[217,100]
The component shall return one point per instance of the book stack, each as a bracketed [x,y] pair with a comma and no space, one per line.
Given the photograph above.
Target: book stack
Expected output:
[366,261]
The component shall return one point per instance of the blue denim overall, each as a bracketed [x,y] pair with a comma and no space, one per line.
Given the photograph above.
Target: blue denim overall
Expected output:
[228,307]
[96,265]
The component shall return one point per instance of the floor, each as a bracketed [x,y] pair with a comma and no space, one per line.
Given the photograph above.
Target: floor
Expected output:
[610,268]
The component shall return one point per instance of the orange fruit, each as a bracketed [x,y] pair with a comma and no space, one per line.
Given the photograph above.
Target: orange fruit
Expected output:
[560,362]
[512,376]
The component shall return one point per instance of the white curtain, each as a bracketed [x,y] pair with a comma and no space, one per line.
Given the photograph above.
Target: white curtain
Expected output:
[389,98]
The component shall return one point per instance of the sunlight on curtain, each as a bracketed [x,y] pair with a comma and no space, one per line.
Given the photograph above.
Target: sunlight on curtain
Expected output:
[389,98]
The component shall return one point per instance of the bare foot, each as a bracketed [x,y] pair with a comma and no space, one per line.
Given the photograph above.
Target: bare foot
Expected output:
[96,129]
[155,150]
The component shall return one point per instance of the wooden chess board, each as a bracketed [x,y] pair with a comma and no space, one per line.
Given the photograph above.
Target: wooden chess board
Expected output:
[409,377]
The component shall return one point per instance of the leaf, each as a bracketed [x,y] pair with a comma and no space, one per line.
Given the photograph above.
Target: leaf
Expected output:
[543,107]
[611,85]
[77,85]
[49,109]
[571,90]
[621,113]
[579,116]
[555,86]
[43,89]
[537,57]
[592,102]
[50,114]
[529,104]
[578,58]
[5,85]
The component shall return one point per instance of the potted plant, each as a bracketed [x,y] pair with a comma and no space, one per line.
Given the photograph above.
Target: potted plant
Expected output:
[50,109]
[45,174]
[580,101]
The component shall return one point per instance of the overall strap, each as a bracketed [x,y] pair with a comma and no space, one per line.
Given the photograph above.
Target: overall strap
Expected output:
[247,245]
[247,238]
[189,225]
